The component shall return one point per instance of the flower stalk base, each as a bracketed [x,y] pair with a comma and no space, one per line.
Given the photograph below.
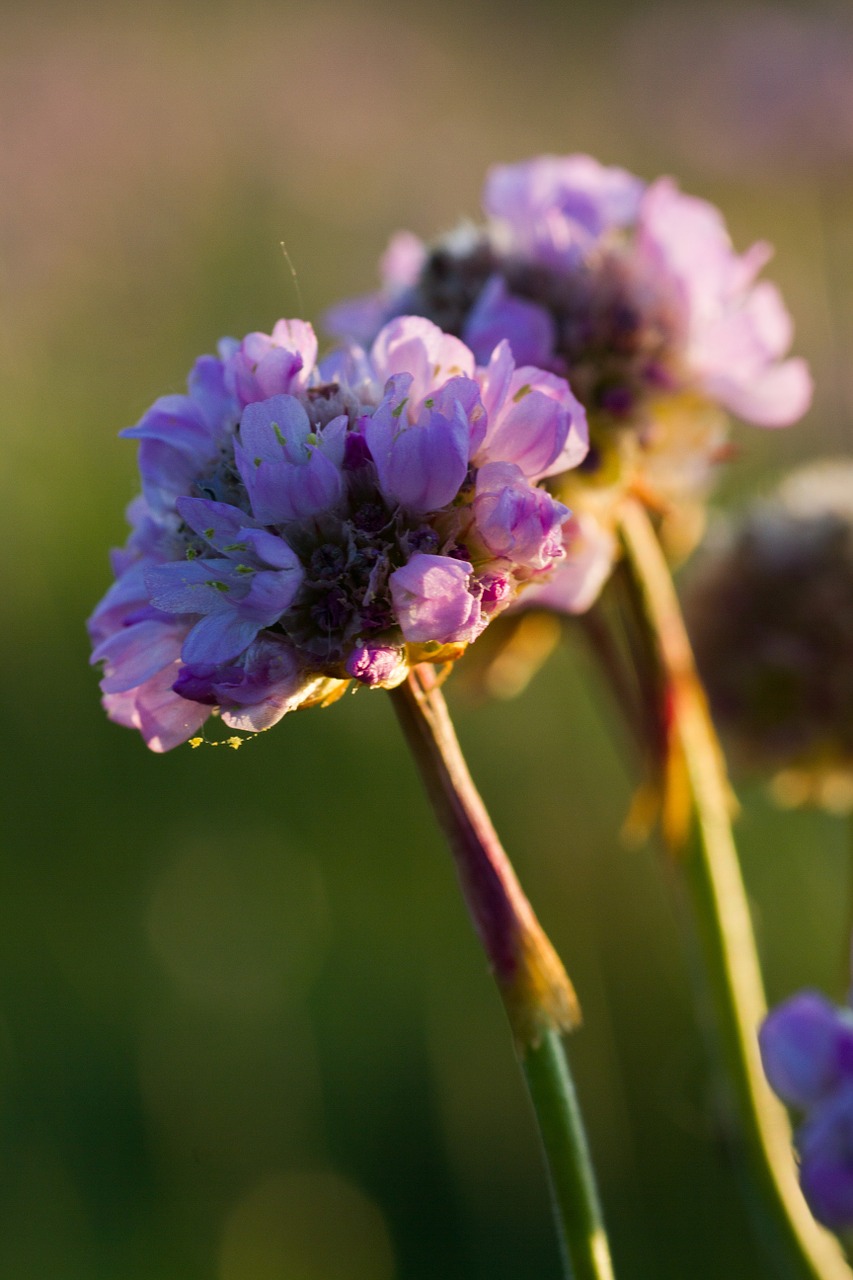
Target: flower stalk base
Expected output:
[719,903]
[538,997]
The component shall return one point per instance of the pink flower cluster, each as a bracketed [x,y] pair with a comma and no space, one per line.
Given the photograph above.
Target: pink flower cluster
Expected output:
[634,293]
[305,524]
[623,287]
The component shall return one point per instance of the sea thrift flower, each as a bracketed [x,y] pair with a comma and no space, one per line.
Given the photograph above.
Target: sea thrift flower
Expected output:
[302,526]
[770,609]
[807,1051]
[634,293]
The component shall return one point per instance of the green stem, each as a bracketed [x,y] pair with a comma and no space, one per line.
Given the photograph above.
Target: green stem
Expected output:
[718,898]
[537,995]
[573,1188]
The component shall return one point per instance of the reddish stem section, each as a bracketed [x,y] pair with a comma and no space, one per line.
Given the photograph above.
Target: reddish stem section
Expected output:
[532,981]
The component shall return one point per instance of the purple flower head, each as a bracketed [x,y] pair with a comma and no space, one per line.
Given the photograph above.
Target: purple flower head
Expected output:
[807,1053]
[636,295]
[303,526]
[626,288]
[807,1049]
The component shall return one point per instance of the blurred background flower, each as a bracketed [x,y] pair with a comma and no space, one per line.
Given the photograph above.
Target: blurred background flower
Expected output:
[239,987]
[770,608]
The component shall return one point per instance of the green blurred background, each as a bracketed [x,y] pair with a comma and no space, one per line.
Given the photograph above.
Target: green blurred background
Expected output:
[245,1029]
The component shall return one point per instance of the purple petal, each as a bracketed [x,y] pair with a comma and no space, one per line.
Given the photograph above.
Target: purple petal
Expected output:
[208,390]
[774,397]
[498,316]
[218,522]
[274,428]
[266,365]
[288,472]
[576,582]
[534,420]
[175,420]
[826,1160]
[423,465]
[460,399]
[806,1048]
[433,602]
[218,638]
[402,262]
[282,491]
[416,346]
[515,520]
[136,653]
[268,549]
[270,594]
[186,586]
[163,718]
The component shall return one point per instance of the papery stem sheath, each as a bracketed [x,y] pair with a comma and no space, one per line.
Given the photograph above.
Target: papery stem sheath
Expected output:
[536,992]
[719,904]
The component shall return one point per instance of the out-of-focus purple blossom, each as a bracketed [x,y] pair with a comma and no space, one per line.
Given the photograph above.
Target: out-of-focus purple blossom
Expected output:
[555,209]
[302,526]
[627,289]
[632,291]
[807,1053]
[590,550]
[499,316]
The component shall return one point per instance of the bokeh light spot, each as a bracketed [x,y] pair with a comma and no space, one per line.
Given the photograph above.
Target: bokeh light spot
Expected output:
[306,1226]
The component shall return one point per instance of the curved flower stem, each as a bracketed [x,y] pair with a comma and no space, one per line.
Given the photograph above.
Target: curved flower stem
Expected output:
[719,902]
[536,992]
